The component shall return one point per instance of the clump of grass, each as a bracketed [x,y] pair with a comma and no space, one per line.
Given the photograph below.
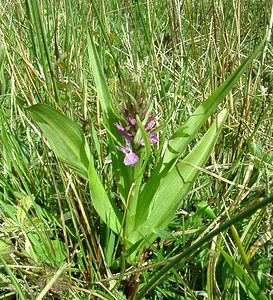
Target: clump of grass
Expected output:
[174,55]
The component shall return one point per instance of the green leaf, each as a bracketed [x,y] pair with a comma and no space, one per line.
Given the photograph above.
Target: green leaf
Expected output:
[204,207]
[69,144]
[13,279]
[64,136]
[163,234]
[138,173]
[186,133]
[250,286]
[100,82]
[104,206]
[105,99]
[178,182]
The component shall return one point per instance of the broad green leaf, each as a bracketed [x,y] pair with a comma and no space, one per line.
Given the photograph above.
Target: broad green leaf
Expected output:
[186,133]
[178,182]
[250,286]
[163,234]
[104,206]
[69,144]
[64,136]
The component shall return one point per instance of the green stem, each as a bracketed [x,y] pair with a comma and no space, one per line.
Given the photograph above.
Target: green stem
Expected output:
[13,279]
[242,252]
[159,277]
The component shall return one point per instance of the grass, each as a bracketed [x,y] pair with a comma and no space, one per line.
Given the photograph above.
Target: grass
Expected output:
[173,54]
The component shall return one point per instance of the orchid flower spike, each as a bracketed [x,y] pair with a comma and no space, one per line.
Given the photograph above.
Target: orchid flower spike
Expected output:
[129,131]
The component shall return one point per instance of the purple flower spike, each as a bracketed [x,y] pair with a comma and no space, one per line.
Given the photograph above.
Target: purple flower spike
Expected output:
[130,130]
[130,158]
[124,132]
[149,125]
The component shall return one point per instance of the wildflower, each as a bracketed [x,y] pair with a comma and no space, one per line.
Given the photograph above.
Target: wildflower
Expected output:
[130,120]
[129,133]
[130,158]
[152,136]
[152,139]
[150,123]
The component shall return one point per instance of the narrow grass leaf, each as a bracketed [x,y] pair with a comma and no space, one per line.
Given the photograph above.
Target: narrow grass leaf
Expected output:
[250,287]
[64,136]
[13,279]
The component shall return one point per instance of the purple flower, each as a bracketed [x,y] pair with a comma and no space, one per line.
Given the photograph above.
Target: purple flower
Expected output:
[152,138]
[150,123]
[130,158]
[129,132]
[127,135]
[130,119]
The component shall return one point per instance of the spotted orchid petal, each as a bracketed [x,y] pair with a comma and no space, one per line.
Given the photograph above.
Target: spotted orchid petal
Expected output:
[131,121]
[124,132]
[149,125]
[152,139]
[130,158]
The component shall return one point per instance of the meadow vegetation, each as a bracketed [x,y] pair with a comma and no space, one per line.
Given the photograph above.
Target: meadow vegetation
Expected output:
[136,154]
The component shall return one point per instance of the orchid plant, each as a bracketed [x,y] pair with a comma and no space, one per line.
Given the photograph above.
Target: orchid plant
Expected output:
[129,134]
[147,206]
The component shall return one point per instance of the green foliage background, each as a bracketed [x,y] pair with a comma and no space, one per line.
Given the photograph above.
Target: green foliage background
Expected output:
[174,54]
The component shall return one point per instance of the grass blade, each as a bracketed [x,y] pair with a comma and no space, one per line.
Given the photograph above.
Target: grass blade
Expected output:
[109,116]
[101,86]
[51,282]
[159,277]
[13,279]
[250,287]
